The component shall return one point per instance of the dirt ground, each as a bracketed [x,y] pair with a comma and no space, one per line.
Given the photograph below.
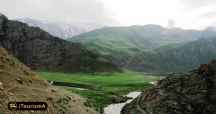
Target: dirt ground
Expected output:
[19,83]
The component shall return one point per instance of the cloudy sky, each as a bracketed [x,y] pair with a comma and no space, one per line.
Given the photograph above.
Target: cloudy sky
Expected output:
[189,14]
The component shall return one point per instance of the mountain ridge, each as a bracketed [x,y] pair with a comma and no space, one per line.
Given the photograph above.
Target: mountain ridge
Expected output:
[140,47]
[180,58]
[42,51]
[58,29]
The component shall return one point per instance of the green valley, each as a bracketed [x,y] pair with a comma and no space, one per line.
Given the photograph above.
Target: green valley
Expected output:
[103,88]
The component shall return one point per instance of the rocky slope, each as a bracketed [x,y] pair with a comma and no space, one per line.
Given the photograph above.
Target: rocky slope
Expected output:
[19,83]
[191,93]
[40,50]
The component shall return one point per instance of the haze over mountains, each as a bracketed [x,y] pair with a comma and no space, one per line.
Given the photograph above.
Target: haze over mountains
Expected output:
[61,29]
[148,48]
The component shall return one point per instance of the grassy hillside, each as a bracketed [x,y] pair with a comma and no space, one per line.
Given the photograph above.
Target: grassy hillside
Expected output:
[126,39]
[121,44]
[151,48]
[103,88]
[184,57]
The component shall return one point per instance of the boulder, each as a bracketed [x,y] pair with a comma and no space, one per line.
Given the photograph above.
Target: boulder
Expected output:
[1,86]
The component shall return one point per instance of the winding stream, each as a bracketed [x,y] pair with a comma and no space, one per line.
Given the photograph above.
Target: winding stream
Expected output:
[116,108]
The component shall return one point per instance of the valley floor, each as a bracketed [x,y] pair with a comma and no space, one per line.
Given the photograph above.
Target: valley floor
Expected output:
[102,89]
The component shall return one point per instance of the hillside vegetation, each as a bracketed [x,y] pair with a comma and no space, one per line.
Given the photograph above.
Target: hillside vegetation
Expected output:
[180,58]
[151,48]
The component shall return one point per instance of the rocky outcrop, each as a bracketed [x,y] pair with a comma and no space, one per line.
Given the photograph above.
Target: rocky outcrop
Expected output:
[192,93]
[19,84]
[40,50]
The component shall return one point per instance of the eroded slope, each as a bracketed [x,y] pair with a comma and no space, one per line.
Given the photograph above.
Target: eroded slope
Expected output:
[19,83]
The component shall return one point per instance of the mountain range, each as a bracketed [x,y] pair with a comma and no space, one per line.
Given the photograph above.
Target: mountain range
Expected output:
[151,48]
[60,29]
[148,48]
[41,51]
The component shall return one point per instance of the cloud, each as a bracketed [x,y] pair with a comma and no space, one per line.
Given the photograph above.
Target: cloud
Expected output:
[115,12]
[198,13]
[210,14]
[57,10]
[195,4]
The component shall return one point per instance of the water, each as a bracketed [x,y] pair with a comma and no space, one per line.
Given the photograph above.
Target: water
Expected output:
[116,108]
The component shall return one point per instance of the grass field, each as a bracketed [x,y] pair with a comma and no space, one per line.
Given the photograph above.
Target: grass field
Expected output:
[106,86]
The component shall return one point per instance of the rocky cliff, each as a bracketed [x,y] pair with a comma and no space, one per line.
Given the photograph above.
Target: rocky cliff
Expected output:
[191,93]
[40,50]
[19,83]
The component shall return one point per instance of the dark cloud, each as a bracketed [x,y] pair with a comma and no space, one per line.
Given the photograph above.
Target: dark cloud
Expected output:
[57,10]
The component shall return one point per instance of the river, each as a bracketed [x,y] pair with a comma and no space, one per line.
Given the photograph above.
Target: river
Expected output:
[116,108]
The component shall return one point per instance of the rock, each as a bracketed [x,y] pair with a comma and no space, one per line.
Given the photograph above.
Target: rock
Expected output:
[53,91]
[19,81]
[49,98]
[10,94]
[1,86]
[120,99]
[180,94]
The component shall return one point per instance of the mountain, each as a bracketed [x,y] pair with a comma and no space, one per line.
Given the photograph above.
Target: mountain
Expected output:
[61,30]
[150,48]
[135,37]
[42,51]
[19,83]
[188,93]
[179,58]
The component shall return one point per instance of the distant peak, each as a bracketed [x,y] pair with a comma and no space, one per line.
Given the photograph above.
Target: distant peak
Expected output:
[153,25]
